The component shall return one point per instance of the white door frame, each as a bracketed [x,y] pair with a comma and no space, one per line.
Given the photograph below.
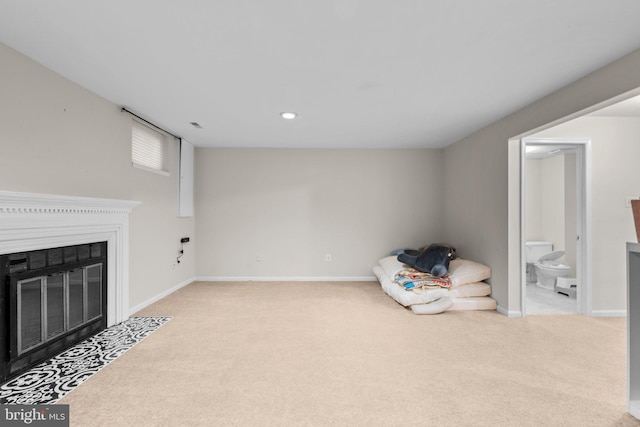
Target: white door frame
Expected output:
[583,220]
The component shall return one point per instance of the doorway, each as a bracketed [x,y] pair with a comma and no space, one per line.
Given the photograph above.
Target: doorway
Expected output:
[554,219]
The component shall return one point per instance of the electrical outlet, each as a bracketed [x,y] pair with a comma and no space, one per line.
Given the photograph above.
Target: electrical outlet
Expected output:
[327,257]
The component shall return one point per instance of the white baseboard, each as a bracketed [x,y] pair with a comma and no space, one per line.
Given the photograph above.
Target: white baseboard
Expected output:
[609,313]
[158,297]
[285,279]
[499,309]
[594,313]
[505,312]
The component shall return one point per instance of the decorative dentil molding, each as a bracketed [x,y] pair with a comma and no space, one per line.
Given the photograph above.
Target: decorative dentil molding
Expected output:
[34,203]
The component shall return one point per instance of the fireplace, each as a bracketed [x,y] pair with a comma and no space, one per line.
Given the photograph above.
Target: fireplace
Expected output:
[51,300]
[63,273]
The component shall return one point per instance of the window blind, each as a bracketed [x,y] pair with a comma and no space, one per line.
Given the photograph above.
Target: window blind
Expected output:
[148,147]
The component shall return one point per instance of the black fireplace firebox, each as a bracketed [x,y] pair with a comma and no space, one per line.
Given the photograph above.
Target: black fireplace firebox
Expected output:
[50,299]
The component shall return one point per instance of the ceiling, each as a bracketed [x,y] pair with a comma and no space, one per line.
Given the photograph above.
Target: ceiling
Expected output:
[359,74]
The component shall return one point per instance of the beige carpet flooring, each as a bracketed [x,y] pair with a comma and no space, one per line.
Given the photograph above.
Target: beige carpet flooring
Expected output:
[345,354]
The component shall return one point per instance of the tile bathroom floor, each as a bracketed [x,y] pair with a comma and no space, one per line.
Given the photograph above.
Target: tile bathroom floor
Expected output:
[544,301]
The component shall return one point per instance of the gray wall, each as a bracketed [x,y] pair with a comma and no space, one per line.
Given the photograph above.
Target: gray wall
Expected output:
[533,204]
[59,138]
[570,210]
[278,212]
[483,192]
[546,201]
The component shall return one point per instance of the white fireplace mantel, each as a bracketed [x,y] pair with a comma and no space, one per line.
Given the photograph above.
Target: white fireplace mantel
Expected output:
[30,221]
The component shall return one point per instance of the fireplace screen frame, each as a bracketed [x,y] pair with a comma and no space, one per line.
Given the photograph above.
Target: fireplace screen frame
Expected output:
[16,292]
[16,356]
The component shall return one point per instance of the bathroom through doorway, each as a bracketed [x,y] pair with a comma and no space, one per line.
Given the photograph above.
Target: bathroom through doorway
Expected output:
[554,184]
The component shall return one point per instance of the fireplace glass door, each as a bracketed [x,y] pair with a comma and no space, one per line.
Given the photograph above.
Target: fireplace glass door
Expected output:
[55,305]
[30,320]
[51,305]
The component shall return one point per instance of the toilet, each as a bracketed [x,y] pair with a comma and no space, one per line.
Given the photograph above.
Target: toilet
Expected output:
[543,267]
[534,250]
[548,270]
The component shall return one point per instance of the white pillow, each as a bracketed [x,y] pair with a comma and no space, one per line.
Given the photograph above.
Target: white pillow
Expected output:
[477,289]
[435,307]
[463,271]
[392,266]
[402,296]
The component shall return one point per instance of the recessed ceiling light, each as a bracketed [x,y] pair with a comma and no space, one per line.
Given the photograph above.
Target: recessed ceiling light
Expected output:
[196,125]
[288,116]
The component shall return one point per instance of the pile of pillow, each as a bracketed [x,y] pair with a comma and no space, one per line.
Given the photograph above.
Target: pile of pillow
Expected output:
[467,290]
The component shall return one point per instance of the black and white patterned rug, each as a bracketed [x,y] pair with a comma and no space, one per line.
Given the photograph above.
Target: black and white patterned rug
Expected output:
[48,382]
